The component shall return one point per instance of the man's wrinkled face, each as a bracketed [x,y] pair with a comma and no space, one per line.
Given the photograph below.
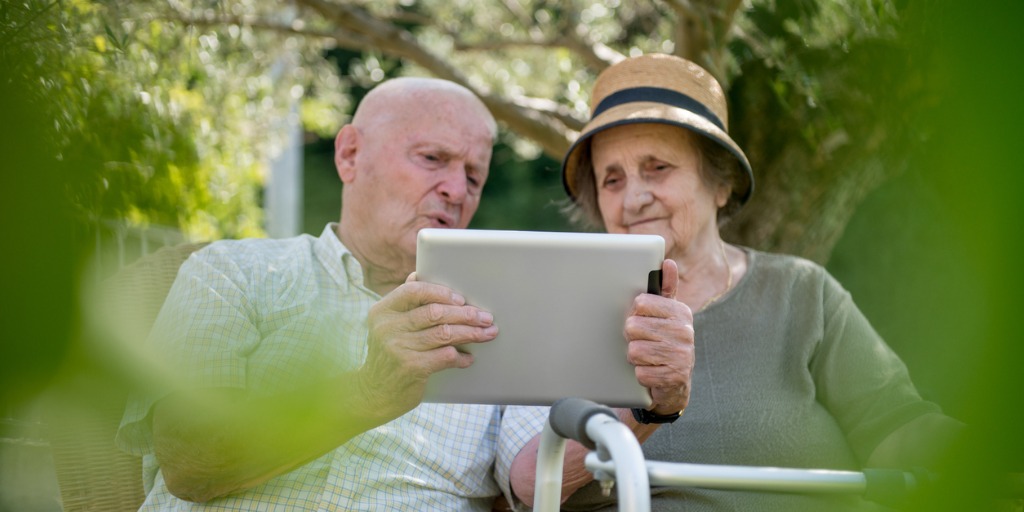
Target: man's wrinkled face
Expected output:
[426,170]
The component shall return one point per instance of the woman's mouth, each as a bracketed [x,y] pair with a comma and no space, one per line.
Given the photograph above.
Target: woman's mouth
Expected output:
[641,223]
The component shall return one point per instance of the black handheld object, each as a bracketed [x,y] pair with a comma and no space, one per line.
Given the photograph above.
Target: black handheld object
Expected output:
[569,416]
[654,282]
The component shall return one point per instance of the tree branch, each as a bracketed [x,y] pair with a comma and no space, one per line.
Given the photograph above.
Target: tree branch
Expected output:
[727,15]
[597,56]
[575,36]
[552,108]
[682,8]
[691,38]
[502,44]
[544,129]
[697,35]
[341,38]
[516,10]
[571,36]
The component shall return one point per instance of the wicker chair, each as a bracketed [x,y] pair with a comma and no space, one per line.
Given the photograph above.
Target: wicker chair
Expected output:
[92,473]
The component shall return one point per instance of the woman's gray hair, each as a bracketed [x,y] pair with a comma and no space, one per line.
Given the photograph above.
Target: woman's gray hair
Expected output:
[717,167]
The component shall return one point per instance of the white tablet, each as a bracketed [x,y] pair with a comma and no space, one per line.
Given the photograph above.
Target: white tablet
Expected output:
[560,302]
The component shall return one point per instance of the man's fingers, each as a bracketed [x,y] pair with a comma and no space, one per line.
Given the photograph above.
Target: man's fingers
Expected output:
[443,358]
[414,294]
[431,315]
[445,351]
[455,335]
[442,335]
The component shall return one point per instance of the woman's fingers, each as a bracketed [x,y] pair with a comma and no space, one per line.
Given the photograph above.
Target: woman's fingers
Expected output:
[669,278]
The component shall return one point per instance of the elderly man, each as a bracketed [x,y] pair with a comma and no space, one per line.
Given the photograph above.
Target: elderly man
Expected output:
[300,364]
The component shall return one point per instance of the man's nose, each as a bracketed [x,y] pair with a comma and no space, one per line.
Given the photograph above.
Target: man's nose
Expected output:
[454,186]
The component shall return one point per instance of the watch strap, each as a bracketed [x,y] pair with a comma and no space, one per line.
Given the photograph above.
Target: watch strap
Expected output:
[646,417]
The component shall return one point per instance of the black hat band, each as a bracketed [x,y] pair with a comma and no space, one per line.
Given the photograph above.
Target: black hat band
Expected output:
[657,95]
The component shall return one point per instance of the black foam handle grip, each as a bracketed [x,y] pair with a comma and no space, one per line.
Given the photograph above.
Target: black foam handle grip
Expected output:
[569,416]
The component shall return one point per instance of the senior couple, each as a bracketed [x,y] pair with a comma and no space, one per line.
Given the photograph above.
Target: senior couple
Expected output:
[302,362]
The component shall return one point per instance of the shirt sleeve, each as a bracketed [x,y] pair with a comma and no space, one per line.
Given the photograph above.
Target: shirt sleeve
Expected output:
[519,424]
[200,339]
[862,382]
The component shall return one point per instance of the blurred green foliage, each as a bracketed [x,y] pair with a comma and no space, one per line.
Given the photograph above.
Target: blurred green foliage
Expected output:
[43,247]
[933,257]
[168,124]
[152,113]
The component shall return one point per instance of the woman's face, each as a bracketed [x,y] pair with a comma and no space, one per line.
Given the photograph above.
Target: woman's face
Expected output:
[648,181]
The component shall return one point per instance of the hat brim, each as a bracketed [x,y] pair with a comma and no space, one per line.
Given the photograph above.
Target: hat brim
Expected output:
[658,113]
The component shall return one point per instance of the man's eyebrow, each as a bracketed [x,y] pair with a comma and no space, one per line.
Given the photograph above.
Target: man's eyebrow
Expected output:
[429,146]
[478,169]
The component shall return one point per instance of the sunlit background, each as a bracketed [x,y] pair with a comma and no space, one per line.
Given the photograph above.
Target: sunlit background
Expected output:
[885,136]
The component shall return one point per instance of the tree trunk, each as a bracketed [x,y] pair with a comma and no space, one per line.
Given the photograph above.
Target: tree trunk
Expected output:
[815,163]
[805,207]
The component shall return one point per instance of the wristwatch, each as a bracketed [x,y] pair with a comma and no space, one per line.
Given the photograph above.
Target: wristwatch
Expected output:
[647,417]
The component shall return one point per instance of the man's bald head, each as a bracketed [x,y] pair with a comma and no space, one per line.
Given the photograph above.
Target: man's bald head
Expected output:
[416,155]
[393,101]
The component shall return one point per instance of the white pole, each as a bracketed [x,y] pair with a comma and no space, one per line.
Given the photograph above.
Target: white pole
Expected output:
[711,476]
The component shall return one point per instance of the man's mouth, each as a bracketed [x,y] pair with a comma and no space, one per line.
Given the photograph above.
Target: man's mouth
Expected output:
[441,220]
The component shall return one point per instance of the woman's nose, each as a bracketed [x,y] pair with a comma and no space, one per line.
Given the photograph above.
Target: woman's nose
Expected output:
[638,196]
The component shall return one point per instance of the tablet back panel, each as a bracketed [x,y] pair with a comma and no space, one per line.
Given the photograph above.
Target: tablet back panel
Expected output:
[559,300]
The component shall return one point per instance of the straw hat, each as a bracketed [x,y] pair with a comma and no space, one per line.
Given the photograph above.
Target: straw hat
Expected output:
[657,88]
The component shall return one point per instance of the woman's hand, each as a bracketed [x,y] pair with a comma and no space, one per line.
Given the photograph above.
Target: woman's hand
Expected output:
[659,330]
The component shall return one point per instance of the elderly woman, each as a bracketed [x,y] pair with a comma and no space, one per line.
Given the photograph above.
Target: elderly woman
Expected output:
[787,370]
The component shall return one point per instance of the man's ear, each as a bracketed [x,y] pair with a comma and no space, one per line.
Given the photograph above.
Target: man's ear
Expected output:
[346,146]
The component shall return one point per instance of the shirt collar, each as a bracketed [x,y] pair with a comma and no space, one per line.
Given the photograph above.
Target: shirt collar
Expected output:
[340,263]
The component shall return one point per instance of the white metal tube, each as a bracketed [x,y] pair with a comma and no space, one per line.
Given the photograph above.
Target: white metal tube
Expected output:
[711,476]
[627,461]
[550,454]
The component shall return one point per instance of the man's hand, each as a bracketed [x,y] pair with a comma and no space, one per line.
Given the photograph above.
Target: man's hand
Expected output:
[659,330]
[204,439]
[415,331]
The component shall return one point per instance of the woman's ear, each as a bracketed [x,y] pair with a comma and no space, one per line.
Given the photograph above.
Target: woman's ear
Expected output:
[346,146]
[722,195]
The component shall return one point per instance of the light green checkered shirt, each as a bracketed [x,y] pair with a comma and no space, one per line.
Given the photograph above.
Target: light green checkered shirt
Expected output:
[268,315]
